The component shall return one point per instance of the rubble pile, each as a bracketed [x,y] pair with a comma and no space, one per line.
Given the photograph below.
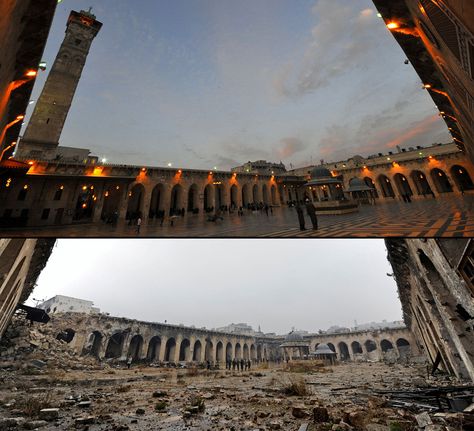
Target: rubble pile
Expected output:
[34,347]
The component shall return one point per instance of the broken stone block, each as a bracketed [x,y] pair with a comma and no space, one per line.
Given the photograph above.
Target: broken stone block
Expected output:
[159,394]
[298,411]
[423,419]
[274,425]
[85,420]
[84,404]
[140,411]
[37,363]
[320,414]
[49,414]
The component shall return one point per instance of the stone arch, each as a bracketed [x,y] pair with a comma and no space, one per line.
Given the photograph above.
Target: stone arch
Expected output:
[228,351]
[273,193]
[370,346]
[184,350]
[255,194]
[461,177]
[332,347]
[265,194]
[246,351]
[253,352]
[219,198]
[154,346]
[193,198]
[234,193]
[386,345]
[170,350]
[136,196]
[259,352]
[343,351]
[135,347]
[245,195]
[420,182]
[208,356]
[208,197]
[385,186]
[157,200]
[356,348]
[220,357]
[238,351]
[403,187]
[67,335]
[371,183]
[197,350]
[94,344]
[404,348]
[441,181]
[115,345]
[111,206]
[176,201]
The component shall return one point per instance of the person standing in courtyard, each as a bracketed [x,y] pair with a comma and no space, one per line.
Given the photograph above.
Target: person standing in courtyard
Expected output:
[139,223]
[311,210]
[299,211]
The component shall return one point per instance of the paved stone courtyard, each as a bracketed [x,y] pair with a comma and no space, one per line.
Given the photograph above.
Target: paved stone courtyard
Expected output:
[448,217]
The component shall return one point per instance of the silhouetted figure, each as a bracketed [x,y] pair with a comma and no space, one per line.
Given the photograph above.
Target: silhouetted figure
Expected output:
[299,211]
[311,210]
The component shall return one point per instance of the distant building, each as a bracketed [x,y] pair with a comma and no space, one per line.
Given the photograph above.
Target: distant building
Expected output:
[238,328]
[68,304]
[379,325]
[261,167]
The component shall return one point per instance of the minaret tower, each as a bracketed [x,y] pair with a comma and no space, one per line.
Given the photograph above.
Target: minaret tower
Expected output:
[41,137]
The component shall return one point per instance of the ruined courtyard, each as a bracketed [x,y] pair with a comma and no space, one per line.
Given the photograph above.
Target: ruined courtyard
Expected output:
[47,385]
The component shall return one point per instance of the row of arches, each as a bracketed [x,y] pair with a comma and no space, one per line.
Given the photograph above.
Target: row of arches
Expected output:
[420,183]
[347,351]
[212,196]
[170,349]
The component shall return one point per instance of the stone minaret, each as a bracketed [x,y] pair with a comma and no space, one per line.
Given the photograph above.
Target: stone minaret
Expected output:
[41,138]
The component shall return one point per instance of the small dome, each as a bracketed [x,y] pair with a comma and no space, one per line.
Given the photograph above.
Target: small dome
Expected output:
[323,349]
[320,172]
[294,336]
[357,182]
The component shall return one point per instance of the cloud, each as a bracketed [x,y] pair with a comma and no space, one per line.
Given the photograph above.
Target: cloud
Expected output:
[289,146]
[416,129]
[341,40]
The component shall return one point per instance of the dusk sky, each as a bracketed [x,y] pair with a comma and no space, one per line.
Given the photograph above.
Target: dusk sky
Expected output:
[203,83]
[278,284]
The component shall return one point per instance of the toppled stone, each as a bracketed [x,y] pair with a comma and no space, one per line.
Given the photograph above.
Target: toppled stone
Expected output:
[423,420]
[49,414]
[159,394]
[298,411]
[84,404]
[140,411]
[85,420]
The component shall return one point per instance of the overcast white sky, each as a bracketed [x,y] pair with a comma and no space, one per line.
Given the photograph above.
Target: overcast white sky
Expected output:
[278,284]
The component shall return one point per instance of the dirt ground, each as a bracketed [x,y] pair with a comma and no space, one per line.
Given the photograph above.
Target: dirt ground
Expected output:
[265,398]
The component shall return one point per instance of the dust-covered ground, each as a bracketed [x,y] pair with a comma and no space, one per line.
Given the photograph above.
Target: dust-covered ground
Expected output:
[297,396]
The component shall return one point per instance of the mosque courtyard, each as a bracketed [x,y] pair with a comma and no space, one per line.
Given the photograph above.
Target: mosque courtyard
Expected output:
[450,216]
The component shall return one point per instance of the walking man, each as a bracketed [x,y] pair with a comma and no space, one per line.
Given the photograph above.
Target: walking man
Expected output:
[139,223]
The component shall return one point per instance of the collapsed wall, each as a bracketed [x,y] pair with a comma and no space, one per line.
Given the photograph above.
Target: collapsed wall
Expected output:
[437,297]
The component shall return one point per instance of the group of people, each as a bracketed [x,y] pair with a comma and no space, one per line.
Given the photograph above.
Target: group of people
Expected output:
[239,364]
[310,210]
